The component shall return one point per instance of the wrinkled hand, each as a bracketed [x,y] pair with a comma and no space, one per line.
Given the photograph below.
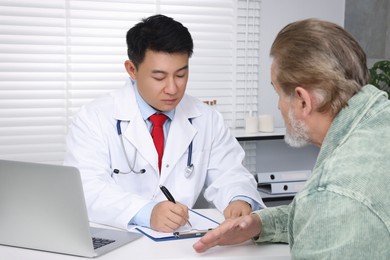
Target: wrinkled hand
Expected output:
[237,208]
[168,216]
[232,231]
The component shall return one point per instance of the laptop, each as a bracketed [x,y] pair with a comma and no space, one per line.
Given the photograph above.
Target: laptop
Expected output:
[42,207]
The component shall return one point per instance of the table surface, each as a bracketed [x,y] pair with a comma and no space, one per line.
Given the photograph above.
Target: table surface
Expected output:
[144,248]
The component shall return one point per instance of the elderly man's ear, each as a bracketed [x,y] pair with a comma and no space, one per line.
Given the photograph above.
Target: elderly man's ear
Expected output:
[304,102]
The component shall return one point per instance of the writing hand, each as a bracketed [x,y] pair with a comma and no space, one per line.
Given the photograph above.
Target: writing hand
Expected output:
[169,197]
[168,216]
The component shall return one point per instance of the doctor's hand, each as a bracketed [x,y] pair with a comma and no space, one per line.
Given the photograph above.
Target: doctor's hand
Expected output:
[232,231]
[168,216]
[237,208]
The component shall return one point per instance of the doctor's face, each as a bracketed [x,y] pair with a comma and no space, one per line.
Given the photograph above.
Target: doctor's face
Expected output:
[161,78]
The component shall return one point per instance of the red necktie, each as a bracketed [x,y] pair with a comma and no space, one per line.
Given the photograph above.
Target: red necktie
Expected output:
[158,135]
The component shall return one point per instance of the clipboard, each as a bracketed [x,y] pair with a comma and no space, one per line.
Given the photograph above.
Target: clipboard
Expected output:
[200,225]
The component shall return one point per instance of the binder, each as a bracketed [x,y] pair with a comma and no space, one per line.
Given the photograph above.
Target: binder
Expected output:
[200,225]
[285,176]
[274,188]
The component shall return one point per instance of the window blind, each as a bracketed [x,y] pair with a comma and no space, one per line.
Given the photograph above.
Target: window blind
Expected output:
[58,55]
[32,80]
[97,46]
[247,72]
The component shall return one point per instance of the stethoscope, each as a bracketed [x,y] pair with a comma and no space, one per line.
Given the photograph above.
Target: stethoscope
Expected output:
[188,170]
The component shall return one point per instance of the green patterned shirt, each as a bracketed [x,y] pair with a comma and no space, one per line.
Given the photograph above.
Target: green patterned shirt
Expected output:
[343,212]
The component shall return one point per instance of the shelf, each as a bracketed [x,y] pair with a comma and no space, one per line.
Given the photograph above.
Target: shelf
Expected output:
[269,197]
[241,135]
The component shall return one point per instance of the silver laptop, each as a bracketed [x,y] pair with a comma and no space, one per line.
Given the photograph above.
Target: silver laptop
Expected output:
[42,207]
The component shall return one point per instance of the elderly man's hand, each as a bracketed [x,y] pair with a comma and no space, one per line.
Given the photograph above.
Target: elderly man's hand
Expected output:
[232,231]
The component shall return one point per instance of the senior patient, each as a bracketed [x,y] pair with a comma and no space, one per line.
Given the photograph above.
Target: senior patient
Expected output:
[320,74]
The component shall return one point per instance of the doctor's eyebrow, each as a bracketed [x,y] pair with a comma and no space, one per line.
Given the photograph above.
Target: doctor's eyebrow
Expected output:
[164,72]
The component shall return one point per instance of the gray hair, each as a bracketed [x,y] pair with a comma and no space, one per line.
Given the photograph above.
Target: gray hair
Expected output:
[323,58]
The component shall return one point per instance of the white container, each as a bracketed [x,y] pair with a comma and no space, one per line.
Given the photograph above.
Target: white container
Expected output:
[251,124]
[266,123]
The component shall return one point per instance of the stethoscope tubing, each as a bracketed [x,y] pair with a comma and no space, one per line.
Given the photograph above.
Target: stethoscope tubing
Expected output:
[189,168]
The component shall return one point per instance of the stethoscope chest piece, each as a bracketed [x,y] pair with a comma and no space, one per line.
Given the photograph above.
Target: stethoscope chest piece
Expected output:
[189,170]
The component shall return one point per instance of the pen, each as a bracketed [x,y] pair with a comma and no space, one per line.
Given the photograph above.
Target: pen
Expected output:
[169,196]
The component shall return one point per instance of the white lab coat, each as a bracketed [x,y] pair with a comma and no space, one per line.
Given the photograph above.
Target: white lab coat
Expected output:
[93,146]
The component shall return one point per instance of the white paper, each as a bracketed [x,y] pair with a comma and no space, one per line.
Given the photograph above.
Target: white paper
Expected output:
[198,221]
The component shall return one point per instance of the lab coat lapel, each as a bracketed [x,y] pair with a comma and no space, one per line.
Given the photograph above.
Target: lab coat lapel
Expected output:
[126,109]
[139,136]
[181,133]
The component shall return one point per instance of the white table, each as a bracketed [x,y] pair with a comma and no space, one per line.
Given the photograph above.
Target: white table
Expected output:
[146,249]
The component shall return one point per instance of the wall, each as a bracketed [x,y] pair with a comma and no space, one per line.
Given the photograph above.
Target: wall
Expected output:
[369,23]
[275,14]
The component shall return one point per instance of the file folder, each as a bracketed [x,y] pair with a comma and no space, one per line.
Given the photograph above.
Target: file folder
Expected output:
[281,187]
[269,177]
[200,225]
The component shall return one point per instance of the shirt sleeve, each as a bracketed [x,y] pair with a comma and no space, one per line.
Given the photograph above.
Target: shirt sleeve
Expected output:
[274,221]
[142,218]
[254,204]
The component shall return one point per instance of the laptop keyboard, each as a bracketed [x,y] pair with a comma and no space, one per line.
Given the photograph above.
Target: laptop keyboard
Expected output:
[99,242]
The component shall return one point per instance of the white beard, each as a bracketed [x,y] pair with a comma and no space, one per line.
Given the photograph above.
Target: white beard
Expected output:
[297,136]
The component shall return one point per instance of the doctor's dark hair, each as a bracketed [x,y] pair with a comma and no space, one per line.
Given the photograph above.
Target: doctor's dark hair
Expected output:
[321,57]
[157,33]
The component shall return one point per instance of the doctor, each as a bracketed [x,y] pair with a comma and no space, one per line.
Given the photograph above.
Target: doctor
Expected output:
[110,141]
